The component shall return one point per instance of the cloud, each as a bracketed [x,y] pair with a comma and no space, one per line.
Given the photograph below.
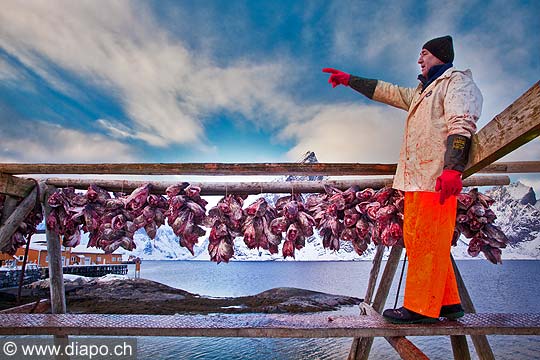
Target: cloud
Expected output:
[528,152]
[499,50]
[170,89]
[349,133]
[166,91]
[379,34]
[43,142]
[115,129]
[7,72]
[531,180]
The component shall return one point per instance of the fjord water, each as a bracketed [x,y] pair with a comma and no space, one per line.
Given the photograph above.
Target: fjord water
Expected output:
[513,287]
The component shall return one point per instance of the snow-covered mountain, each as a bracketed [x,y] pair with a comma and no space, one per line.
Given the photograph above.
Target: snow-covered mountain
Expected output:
[518,212]
[516,207]
[518,216]
[166,247]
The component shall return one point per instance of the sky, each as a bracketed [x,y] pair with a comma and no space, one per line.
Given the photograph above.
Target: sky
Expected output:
[240,81]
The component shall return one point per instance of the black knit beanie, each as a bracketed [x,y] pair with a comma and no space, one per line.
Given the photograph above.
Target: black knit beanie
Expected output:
[441,48]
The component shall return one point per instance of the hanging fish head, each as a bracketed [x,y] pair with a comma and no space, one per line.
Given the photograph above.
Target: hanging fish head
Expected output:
[176,189]
[365,195]
[288,249]
[57,199]
[138,197]
[290,210]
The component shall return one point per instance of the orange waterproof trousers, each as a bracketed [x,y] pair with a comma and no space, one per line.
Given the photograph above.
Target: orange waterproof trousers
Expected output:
[428,228]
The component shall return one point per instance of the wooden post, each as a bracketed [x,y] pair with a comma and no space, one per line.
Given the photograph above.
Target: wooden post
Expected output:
[372,283]
[387,277]
[9,227]
[374,274]
[23,269]
[61,341]
[362,346]
[56,277]
[460,348]
[481,344]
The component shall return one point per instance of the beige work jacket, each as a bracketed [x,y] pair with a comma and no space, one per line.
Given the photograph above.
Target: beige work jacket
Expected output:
[449,105]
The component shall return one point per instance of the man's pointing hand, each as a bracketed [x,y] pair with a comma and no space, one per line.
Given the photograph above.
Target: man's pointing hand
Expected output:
[338,77]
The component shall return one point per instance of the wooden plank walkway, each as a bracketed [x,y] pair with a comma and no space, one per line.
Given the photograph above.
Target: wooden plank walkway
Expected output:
[260,325]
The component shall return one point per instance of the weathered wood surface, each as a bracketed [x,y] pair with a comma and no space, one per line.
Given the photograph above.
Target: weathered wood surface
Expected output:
[460,348]
[260,325]
[361,347]
[221,188]
[243,169]
[207,169]
[15,186]
[387,278]
[374,273]
[40,306]
[518,124]
[480,342]
[358,345]
[56,276]
[514,167]
[10,204]
[404,347]
[9,227]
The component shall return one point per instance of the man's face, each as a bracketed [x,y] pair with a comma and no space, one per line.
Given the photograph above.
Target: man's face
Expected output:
[427,60]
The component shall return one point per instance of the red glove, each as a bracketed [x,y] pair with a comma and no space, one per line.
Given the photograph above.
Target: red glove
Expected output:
[337,77]
[449,183]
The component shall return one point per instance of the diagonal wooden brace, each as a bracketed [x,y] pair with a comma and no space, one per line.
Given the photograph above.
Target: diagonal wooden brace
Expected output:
[9,227]
[518,124]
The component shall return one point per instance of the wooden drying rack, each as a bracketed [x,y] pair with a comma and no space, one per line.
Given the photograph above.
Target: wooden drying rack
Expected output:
[515,126]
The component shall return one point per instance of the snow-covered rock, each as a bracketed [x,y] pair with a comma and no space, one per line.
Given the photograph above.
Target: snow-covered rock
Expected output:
[516,214]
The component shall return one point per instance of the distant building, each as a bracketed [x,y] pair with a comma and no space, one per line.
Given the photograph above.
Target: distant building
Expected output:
[83,255]
[79,255]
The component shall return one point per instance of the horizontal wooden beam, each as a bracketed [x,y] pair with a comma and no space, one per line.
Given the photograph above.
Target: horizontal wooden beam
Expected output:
[518,124]
[260,325]
[514,167]
[221,169]
[222,188]
[209,169]
[15,186]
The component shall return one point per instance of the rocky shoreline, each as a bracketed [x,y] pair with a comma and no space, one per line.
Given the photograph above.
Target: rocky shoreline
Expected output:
[122,295]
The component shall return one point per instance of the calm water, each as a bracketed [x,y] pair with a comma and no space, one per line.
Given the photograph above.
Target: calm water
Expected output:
[512,287]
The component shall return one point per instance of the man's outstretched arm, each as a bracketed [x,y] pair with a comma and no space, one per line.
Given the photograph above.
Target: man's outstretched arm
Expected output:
[377,90]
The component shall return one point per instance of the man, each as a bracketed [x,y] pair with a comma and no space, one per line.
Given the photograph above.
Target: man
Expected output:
[137,267]
[442,115]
